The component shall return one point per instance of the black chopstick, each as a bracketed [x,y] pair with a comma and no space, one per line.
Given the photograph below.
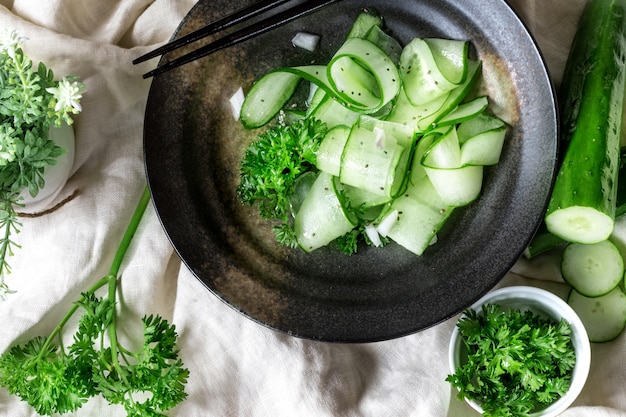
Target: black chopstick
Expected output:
[224,23]
[244,34]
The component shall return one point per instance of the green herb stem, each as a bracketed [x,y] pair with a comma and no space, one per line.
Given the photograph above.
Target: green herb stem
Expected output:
[19,60]
[111,279]
[6,239]
[112,326]
[130,232]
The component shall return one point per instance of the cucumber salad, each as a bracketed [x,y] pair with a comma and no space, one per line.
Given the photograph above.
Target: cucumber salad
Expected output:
[390,142]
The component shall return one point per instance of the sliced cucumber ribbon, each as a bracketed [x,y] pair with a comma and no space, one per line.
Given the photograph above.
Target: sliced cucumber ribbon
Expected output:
[322,202]
[432,67]
[373,160]
[363,75]
[454,162]
[262,104]
[414,218]
[360,75]
[444,109]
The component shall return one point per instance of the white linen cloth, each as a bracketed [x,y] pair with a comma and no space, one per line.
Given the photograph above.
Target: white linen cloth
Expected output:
[238,368]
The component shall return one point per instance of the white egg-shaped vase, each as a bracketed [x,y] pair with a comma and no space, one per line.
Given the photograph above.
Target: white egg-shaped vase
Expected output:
[55,176]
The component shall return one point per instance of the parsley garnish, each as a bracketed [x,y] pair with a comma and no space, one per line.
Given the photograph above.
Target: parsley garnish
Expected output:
[517,361]
[271,166]
[54,377]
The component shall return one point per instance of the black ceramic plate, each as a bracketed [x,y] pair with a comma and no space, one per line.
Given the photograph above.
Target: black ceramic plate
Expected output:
[193,148]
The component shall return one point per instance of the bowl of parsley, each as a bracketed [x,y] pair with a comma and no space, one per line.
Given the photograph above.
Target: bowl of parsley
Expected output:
[519,351]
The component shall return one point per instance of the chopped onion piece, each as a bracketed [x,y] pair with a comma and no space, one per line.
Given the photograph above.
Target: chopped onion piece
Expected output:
[387,223]
[380,137]
[236,101]
[312,89]
[306,41]
[372,234]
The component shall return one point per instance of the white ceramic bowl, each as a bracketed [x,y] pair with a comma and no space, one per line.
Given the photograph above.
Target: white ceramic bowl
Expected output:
[544,303]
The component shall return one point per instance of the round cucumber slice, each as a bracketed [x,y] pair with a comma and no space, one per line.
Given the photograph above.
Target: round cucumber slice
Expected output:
[604,317]
[592,269]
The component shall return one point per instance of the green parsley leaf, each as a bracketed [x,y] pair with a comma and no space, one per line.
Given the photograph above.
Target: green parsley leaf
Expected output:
[273,163]
[348,243]
[285,235]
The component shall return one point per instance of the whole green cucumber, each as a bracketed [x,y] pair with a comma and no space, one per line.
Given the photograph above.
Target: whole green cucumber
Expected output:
[582,206]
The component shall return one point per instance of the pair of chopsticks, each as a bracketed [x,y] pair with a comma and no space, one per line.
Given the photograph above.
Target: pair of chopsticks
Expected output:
[241,35]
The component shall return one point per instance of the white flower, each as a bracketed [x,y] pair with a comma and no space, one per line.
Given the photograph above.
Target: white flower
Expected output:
[10,41]
[67,95]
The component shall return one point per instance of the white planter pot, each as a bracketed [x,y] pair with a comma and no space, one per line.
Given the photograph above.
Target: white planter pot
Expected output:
[55,176]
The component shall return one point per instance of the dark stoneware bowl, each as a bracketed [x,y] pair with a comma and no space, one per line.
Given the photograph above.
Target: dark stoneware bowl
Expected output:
[193,147]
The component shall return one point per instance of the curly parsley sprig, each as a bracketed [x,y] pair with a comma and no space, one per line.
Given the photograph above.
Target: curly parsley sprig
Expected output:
[54,377]
[31,101]
[271,166]
[517,361]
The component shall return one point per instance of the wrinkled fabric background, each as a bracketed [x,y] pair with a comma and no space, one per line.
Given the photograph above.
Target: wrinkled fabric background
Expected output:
[238,368]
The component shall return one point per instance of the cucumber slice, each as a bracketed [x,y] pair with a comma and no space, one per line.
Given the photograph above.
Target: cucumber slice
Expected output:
[417,169]
[592,269]
[428,73]
[406,113]
[328,158]
[387,43]
[481,139]
[604,317]
[321,218]
[405,137]
[359,88]
[426,117]
[359,199]
[445,152]
[416,217]
[372,160]
[451,58]
[402,133]
[477,125]
[453,98]
[364,22]
[267,97]
[362,75]
[458,185]
[415,225]
[579,223]
[465,111]
[332,112]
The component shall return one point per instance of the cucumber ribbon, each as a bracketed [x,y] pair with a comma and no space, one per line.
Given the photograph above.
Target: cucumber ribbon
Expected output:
[360,75]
